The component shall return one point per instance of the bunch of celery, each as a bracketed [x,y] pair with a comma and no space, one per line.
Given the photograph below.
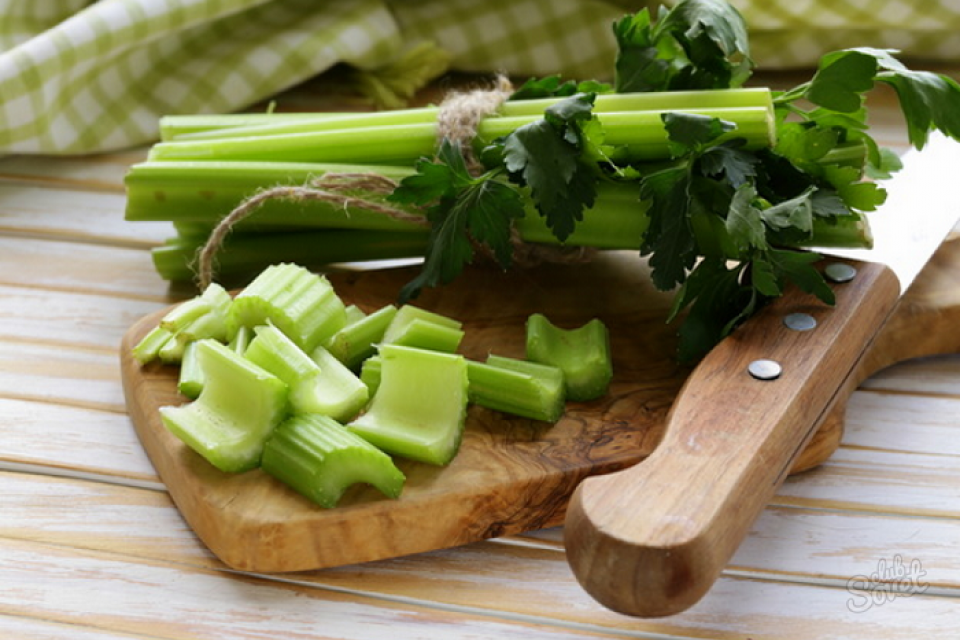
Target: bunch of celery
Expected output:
[717,183]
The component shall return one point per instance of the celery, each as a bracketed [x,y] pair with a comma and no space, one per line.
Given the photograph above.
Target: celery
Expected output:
[420,407]
[370,374]
[239,406]
[300,303]
[319,458]
[318,382]
[354,314]
[241,340]
[198,127]
[343,394]
[518,387]
[148,348]
[190,378]
[357,341]
[415,327]
[583,354]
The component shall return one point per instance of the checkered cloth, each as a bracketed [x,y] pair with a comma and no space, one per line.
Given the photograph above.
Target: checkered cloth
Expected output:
[78,76]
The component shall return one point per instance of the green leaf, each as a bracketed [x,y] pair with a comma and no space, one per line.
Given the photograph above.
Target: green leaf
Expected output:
[698,44]
[797,266]
[727,159]
[669,239]
[841,80]
[692,131]
[547,156]
[745,221]
[795,213]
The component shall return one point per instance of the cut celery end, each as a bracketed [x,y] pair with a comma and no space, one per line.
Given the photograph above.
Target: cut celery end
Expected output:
[148,349]
[357,341]
[239,406]
[583,354]
[354,314]
[416,327]
[190,378]
[340,392]
[420,407]
[241,340]
[320,459]
[370,374]
[272,350]
[517,387]
[299,302]
[171,352]
[203,316]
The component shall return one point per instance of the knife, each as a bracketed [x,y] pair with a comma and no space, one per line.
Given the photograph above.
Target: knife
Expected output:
[652,539]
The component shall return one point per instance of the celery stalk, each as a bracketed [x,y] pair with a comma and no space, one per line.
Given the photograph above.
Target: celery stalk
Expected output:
[415,327]
[300,303]
[582,353]
[320,459]
[404,143]
[198,127]
[239,406]
[342,393]
[357,341]
[148,349]
[518,387]
[420,407]
[190,377]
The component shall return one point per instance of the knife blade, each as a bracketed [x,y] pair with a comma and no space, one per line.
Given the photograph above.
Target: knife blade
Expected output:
[652,539]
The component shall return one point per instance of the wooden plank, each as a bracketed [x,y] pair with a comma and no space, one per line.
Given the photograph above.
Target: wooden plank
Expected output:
[57,374]
[938,375]
[65,318]
[87,268]
[881,481]
[72,439]
[901,422]
[30,628]
[84,216]
[802,554]
[172,601]
[102,172]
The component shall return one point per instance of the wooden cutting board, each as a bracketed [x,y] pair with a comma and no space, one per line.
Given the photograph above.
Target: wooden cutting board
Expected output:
[511,474]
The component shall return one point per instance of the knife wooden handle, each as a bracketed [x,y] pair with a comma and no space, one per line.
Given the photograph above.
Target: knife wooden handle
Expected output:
[651,540]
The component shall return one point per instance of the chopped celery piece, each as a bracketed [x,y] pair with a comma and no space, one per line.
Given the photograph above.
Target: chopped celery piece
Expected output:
[190,380]
[354,314]
[370,374]
[171,352]
[318,382]
[241,340]
[420,407]
[299,302]
[204,316]
[232,418]
[518,387]
[148,349]
[416,327]
[583,354]
[357,340]
[320,459]
[340,392]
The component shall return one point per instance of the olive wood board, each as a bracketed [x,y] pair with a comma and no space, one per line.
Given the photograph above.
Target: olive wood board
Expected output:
[511,474]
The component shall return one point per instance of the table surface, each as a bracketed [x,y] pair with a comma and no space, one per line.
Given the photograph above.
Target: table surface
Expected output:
[91,545]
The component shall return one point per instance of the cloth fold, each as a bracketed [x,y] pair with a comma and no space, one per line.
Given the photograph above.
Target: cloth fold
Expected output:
[80,77]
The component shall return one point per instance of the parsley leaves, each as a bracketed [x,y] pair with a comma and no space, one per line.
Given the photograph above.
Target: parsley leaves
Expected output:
[724,218]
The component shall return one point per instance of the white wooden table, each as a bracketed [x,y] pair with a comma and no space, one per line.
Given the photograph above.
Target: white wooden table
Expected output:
[92,547]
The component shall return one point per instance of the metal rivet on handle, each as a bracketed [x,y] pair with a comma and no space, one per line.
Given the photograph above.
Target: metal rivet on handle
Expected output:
[800,321]
[765,369]
[839,272]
